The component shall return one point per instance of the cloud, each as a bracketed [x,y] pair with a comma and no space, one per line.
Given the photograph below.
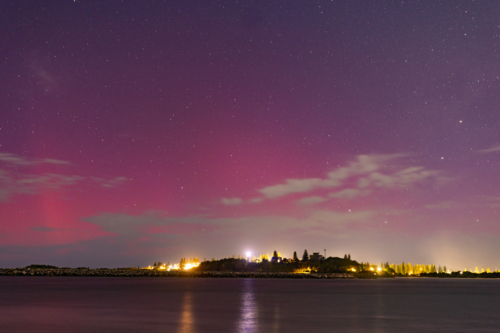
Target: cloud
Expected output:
[294,186]
[114,182]
[53,161]
[443,205]
[490,150]
[402,178]
[349,193]
[182,228]
[109,182]
[232,201]
[127,227]
[21,160]
[152,226]
[17,183]
[492,202]
[341,218]
[311,200]
[43,229]
[370,170]
[15,179]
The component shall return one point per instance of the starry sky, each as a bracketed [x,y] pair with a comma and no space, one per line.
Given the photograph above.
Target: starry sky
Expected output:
[141,131]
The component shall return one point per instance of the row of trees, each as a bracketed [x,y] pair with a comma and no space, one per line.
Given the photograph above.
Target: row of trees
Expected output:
[277,255]
[408,269]
[159,264]
[183,262]
[482,270]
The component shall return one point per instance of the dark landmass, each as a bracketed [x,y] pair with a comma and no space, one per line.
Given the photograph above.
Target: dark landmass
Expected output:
[134,272]
[42,266]
[330,268]
[468,275]
[329,265]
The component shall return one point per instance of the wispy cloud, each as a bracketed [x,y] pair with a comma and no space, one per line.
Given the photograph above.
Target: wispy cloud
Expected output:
[15,176]
[493,202]
[149,222]
[369,170]
[53,161]
[341,218]
[21,160]
[349,193]
[232,201]
[136,225]
[490,150]
[401,178]
[17,183]
[42,229]
[109,182]
[445,205]
[311,200]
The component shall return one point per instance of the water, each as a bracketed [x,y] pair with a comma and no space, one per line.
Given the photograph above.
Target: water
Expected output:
[58,304]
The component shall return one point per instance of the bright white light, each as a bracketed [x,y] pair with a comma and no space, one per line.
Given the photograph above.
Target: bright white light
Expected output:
[249,254]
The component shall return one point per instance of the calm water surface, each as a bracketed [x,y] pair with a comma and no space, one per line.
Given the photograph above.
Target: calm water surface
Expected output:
[58,304]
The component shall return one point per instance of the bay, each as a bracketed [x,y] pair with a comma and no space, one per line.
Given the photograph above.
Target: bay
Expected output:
[72,304]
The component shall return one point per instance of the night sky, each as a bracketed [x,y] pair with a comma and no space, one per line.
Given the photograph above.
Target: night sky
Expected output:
[141,131]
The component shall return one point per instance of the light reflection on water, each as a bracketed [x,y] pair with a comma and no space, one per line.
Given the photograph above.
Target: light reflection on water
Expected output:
[186,323]
[81,305]
[276,322]
[249,311]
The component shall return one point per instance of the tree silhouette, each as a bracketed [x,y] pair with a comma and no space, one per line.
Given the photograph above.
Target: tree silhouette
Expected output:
[295,258]
[305,256]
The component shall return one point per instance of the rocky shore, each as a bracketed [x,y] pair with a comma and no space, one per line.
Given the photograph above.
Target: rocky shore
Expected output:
[106,272]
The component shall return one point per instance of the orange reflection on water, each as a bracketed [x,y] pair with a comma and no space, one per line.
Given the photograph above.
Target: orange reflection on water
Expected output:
[186,323]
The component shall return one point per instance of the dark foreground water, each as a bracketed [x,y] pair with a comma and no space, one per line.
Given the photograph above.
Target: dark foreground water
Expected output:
[58,304]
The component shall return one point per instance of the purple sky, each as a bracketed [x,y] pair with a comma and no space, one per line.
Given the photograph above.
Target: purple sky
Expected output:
[134,132]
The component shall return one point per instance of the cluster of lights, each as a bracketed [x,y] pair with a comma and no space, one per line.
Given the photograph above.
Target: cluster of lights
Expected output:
[176,267]
[371,269]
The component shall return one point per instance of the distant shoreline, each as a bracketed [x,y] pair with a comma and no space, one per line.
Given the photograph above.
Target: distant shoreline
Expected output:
[107,272]
[132,272]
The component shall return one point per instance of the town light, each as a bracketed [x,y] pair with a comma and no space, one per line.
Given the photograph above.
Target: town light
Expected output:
[191,265]
[249,254]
